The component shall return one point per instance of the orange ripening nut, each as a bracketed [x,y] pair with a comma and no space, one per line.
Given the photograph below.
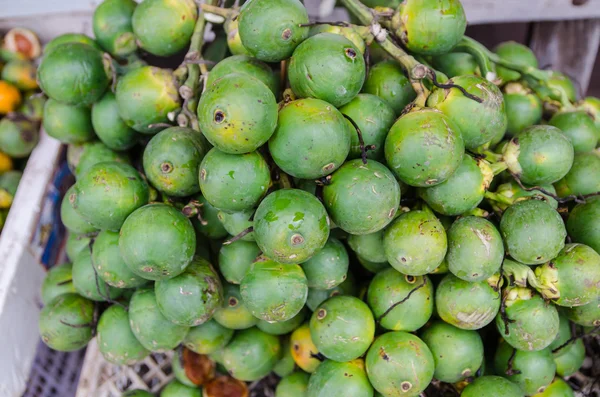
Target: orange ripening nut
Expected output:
[23,43]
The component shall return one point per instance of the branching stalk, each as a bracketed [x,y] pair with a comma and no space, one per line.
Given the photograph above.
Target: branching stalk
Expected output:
[194,64]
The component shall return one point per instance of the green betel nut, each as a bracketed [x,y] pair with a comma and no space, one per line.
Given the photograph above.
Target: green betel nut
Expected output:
[73,73]
[271,29]
[237,113]
[362,198]
[424,148]
[329,67]
[274,291]
[157,242]
[290,226]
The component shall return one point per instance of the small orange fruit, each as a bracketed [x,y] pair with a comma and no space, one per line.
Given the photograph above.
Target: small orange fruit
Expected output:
[10,97]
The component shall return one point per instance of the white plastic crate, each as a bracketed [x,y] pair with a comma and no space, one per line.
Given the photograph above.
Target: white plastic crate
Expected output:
[100,378]
[20,271]
[21,245]
[25,233]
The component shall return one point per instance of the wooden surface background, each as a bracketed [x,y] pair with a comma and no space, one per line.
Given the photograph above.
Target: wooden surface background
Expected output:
[478,11]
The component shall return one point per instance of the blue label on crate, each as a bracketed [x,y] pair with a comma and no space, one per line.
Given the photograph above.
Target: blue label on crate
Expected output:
[50,233]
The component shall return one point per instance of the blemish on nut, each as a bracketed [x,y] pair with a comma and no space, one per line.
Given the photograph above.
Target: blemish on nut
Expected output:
[321,313]
[350,53]
[286,34]
[219,116]
[328,167]
[297,239]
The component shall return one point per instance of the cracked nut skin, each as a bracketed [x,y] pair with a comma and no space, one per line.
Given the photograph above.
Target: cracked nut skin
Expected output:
[388,287]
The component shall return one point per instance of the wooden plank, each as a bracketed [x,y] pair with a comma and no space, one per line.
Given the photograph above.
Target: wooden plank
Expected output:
[52,25]
[488,11]
[491,35]
[594,87]
[568,46]
[40,7]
